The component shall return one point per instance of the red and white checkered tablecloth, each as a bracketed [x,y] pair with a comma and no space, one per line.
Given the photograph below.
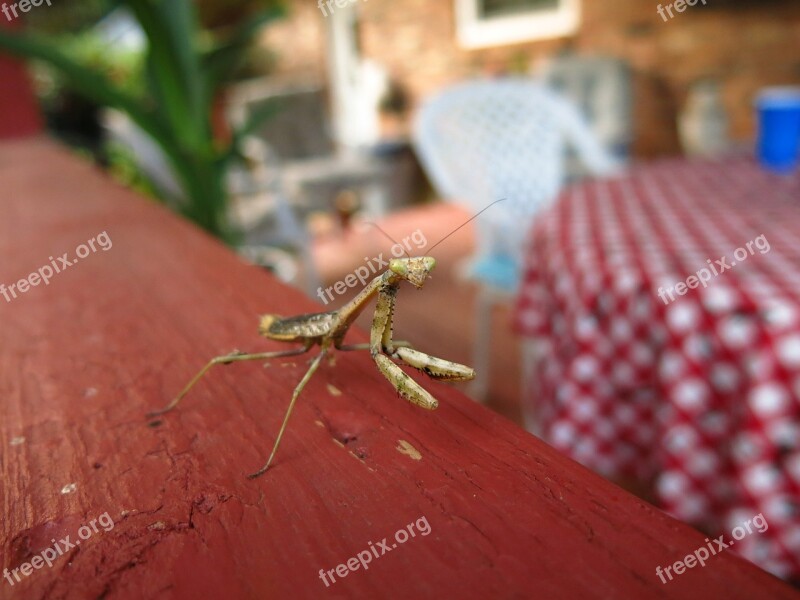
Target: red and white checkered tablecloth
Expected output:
[700,395]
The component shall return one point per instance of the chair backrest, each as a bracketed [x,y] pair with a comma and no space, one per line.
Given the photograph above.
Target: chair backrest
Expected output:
[489,139]
[601,88]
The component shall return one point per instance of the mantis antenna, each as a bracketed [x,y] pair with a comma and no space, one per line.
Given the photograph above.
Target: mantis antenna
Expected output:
[465,223]
[378,227]
[390,238]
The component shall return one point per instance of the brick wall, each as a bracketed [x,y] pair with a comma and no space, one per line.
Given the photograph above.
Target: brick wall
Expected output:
[299,41]
[743,48]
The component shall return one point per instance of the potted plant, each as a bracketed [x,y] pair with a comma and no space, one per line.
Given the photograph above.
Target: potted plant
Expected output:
[184,66]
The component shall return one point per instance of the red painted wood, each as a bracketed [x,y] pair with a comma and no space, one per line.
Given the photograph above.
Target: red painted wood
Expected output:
[118,333]
[19,112]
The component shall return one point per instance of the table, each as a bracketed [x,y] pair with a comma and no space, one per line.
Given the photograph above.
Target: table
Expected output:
[496,513]
[693,388]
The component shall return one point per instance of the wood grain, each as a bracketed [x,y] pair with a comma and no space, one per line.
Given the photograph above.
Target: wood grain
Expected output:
[117,334]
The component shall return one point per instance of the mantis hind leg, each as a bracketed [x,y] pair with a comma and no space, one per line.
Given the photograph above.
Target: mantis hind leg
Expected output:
[225,360]
[314,365]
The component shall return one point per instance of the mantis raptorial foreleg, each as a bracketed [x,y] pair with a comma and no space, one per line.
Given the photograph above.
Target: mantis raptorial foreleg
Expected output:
[437,368]
[381,344]
[405,386]
[367,346]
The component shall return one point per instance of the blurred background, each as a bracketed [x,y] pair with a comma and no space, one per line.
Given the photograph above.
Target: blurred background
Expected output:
[334,90]
[285,127]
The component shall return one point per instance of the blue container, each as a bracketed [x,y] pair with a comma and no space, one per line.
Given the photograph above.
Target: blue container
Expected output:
[779,128]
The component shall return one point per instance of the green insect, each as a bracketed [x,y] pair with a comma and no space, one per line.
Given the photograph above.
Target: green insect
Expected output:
[328,329]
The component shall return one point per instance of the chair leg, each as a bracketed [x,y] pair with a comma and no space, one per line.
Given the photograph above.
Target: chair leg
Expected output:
[311,280]
[482,345]
[531,353]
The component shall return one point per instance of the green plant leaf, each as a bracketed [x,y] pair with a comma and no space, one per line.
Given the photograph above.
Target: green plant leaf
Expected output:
[92,85]
[173,67]
[176,109]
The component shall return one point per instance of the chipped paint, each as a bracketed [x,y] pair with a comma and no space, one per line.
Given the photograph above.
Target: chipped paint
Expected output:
[69,488]
[333,390]
[403,447]
[17,441]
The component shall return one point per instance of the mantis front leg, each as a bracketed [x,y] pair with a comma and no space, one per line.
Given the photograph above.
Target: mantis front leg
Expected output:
[381,344]
[437,368]
[405,386]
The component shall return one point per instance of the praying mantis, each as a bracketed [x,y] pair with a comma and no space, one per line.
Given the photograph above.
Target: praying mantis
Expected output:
[328,330]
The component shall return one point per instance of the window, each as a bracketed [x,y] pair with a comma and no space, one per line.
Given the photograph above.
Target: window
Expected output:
[484,23]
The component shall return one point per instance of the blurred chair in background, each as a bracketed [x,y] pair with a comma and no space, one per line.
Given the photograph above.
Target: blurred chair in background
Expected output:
[601,89]
[481,141]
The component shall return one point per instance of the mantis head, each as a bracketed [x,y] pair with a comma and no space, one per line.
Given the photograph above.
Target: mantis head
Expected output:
[413,270]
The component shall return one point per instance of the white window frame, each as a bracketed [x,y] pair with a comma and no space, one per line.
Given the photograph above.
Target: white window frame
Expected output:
[474,32]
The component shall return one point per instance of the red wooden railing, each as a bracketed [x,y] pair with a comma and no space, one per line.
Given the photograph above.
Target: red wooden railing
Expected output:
[496,513]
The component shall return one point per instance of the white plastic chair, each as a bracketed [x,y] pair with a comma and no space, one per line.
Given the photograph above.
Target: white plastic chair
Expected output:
[485,140]
[600,87]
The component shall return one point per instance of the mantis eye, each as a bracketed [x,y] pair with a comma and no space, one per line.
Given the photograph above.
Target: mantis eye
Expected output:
[399,266]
